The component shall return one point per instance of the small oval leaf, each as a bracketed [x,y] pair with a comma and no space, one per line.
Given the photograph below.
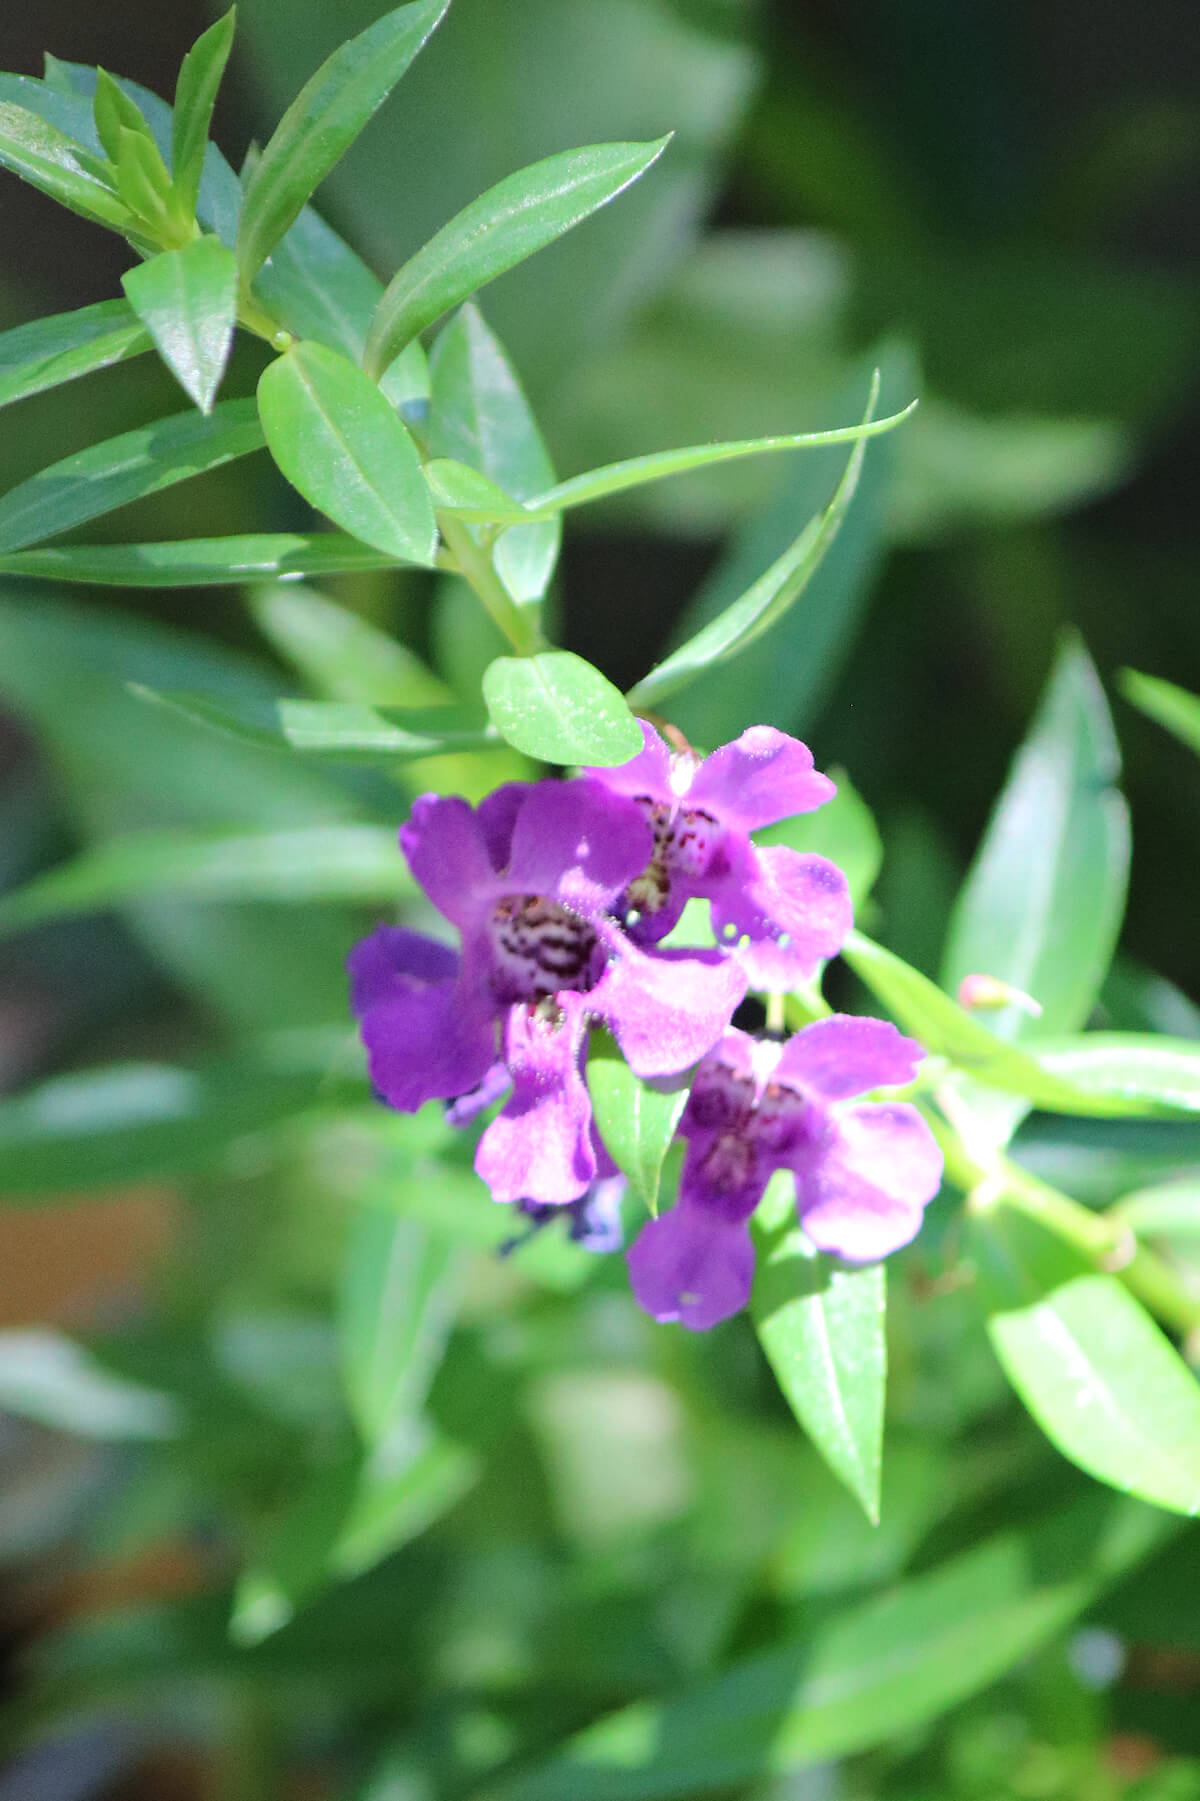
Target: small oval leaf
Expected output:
[558,708]
[339,442]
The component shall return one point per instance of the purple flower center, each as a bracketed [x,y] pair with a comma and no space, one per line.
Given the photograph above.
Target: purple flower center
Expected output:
[686,843]
[539,948]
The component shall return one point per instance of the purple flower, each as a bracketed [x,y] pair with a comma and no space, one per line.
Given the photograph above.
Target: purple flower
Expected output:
[863,1174]
[529,879]
[593,1221]
[784,912]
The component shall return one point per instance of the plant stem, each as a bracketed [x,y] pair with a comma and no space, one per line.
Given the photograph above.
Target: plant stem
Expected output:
[476,567]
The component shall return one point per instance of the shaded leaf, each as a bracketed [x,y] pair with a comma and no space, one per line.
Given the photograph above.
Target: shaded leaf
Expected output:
[195,93]
[341,730]
[48,352]
[399,1292]
[109,475]
[1163,702]
[343,656]
[48,159]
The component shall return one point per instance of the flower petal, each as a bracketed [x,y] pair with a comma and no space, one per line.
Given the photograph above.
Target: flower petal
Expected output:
[497,815]
[431,1041]
[795,911]
[692,1266]
[843,1055]
[448,855]
[390,959]
[539,1147]
[762,776]
[577,843]
[667,1008]
[466,1107]
[648,773]
[863,1193]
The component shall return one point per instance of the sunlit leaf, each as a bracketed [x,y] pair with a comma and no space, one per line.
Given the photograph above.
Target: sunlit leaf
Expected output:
[199,562]
[187,300]
[558,708]
[636,1119]
[195,93]
[48,159]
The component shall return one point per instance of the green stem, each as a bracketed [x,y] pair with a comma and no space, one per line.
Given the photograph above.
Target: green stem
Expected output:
[1107,1243]
[476,567]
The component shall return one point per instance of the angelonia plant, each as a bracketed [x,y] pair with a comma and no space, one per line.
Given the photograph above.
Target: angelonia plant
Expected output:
[610,969]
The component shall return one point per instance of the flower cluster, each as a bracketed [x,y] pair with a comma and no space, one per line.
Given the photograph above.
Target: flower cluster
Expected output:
[562,893]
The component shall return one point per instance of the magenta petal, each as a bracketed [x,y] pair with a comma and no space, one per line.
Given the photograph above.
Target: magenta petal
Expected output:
[466,1107]
[667,1008]
[428,1042]
[539,1147]
[648,773]
[762,776]
[863,1194]
[843,1055]
[387,961]
[497,815]
[578,843]
[448,855]
[794,910]
[691,1266]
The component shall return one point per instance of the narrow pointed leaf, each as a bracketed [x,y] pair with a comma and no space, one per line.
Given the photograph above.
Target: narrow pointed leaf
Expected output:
[199,562]
[317,863]
[48,352]
[459,489]
[109,475]
[339,442]
[48,159]
[769,597]
[113,110]
[1102,1381]
[822,1329]
[479,415]
[512,220]
[1169,706]
[558,708]
[342,656]
[399,1291]
[323,121]
[195,93]
[339,730]
[187,300]
[143,182]
[945,1030]
[598,484]
[636,1120]
[861,1675]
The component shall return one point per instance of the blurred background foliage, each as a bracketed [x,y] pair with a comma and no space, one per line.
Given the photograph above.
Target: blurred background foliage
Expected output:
[995,203]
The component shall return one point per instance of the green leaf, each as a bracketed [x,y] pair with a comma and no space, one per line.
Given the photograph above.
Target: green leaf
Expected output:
[1166,704]
[945,1030]
[457,488]
[822,1329]
[408,1484]
[636,1119]
[1042,904]
[129,1121]
[339,442]
[521,214]
[48,352]
[770,596]
[862,1677]
[195,93]
[199,562]
[113,110]
[48,159]
[556,707]
[317,287]
[614,478]
[1168,1210]
[126,468]
[45,1377]
[1095,1371]
[479,415]
[342,656]
[323,121]
[399,1293]
[144,184]
[340,730]
[317,863]
[187,300]
[1161,1073]
[843,830]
